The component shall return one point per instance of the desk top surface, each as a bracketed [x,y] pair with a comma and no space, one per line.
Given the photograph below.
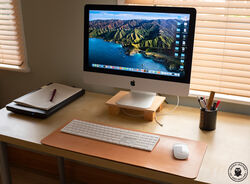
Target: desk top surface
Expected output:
[229,143]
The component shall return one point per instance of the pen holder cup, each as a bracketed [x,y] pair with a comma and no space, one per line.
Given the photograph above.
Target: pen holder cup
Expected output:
[208,119]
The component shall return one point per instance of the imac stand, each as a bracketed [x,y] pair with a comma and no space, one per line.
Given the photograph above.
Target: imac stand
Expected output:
[137,99]
[149,113]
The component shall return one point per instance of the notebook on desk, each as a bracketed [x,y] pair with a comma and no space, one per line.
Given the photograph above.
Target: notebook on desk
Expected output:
[37,103]
[40,99]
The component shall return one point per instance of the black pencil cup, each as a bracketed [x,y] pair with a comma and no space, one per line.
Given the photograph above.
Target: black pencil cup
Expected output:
[208,119]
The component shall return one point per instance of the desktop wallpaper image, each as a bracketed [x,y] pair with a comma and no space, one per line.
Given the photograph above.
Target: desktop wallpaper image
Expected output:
[141,40]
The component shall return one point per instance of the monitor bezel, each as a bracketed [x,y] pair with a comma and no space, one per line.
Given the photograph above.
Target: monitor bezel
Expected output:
[190,42]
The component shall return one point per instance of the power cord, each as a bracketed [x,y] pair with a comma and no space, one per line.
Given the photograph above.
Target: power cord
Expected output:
[124,111]
[177,104]
[156,120]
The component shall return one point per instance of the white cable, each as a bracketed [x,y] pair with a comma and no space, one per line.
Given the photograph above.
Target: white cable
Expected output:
[156,120]
[177,104]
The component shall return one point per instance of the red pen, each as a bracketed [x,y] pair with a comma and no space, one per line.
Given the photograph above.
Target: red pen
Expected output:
[53,95]
[217,104]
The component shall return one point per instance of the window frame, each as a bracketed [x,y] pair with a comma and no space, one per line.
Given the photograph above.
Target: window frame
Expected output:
[24,67]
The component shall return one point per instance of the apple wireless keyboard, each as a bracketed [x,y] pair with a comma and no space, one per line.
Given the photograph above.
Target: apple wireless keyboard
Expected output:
[134,139]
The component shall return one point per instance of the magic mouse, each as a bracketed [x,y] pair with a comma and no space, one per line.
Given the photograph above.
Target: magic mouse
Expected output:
[180,151]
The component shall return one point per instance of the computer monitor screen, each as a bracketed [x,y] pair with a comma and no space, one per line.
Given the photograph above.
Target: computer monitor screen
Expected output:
[137,42]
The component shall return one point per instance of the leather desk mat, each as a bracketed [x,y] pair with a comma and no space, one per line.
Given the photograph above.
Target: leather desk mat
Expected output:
[160,158]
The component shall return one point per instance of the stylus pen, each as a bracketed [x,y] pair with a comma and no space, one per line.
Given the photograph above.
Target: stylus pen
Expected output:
[53,95]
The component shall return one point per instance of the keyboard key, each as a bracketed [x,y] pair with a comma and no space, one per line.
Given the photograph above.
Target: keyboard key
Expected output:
[134,139]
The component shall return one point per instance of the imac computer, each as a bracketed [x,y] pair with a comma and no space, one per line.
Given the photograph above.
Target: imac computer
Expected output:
[145,49]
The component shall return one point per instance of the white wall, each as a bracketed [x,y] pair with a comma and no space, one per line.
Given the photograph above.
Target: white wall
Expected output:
[54,39]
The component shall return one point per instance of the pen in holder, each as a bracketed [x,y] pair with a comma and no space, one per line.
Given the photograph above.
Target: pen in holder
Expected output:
[208,119]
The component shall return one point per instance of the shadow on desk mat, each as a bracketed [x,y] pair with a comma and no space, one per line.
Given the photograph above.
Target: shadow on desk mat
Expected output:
[160,159]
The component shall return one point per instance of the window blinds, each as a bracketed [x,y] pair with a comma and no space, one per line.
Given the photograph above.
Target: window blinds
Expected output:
[11,41]
[221,59]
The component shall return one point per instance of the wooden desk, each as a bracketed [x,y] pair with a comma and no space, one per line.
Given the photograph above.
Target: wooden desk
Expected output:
[227,144]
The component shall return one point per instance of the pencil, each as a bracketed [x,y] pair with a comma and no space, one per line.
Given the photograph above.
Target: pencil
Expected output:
[210,100]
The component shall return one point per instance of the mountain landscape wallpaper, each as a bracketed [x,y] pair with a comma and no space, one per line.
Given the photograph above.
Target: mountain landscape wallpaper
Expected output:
[152,36]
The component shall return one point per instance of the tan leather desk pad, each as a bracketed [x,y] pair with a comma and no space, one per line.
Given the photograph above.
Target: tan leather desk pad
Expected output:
[160,159]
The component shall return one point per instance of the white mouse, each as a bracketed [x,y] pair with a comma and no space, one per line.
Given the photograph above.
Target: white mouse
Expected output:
[180,151]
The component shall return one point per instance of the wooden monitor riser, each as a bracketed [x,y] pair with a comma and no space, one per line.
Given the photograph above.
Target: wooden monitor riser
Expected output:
[148,114]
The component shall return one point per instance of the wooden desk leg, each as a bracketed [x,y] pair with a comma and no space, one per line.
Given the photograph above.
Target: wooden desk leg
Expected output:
[5,172]
[60,164]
